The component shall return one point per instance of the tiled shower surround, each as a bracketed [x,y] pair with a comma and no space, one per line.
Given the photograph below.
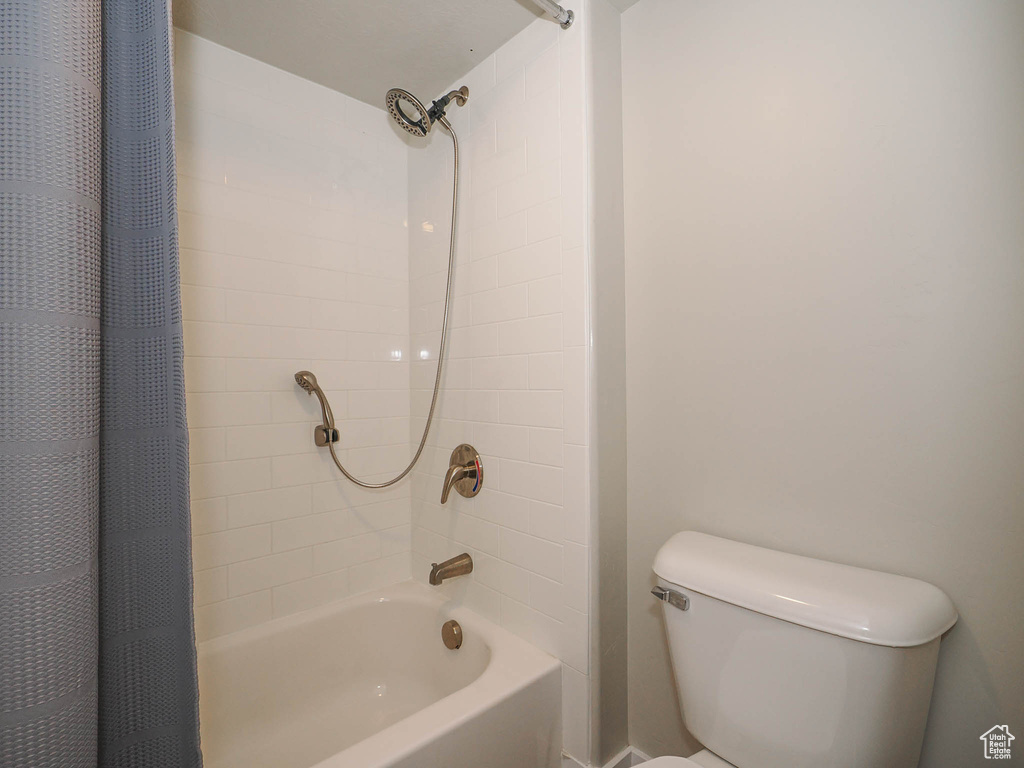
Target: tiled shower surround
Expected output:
[315,235]
[294,255]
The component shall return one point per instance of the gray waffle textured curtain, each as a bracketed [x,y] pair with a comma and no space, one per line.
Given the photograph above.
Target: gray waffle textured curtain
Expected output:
[97,654]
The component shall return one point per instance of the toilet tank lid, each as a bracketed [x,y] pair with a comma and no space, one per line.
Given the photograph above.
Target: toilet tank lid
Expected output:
[856,603]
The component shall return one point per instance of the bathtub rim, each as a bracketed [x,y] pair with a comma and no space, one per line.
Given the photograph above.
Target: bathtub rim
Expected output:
[514,665]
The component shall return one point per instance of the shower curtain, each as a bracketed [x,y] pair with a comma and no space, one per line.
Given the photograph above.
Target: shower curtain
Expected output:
[97,651]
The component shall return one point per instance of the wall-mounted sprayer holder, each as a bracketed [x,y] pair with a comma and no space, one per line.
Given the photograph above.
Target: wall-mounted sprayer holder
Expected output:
[323,435]
[465,473]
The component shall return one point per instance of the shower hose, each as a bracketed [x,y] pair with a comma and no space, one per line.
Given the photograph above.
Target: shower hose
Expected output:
[444,333]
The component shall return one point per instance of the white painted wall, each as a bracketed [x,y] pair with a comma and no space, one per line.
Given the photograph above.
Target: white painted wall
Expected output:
[825,314]
[294,254]
[515,383]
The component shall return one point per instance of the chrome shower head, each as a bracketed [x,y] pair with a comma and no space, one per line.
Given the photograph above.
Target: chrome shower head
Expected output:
[418,122]
[410,113]
[307,381]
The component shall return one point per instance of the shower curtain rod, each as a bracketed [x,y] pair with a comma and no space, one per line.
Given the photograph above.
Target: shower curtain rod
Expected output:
[557,12]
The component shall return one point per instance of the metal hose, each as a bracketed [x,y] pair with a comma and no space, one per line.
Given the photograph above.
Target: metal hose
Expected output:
[444,332]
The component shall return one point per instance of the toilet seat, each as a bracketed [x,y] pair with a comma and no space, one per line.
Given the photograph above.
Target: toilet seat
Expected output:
[669,762]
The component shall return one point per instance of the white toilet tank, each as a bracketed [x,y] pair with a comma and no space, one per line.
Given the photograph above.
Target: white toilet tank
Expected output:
[784,661]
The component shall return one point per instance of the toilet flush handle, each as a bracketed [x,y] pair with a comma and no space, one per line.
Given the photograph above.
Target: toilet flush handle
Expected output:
[670,596]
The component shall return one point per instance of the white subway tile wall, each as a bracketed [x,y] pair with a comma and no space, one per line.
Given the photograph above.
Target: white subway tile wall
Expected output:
[294,254]
[516,383]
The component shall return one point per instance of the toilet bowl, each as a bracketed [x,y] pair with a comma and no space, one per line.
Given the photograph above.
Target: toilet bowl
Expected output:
[782,661]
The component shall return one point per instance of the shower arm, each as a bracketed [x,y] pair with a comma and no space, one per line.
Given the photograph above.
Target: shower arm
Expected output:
[557,12]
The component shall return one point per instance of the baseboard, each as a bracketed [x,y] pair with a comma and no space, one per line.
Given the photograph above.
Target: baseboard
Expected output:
[622,760]
[627,758]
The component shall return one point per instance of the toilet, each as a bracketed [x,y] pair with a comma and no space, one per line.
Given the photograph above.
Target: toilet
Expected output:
[782,661]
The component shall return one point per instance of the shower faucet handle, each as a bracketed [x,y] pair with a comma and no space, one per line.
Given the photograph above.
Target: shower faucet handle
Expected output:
[465,473]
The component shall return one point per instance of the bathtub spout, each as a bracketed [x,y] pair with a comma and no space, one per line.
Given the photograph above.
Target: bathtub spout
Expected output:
[459,565]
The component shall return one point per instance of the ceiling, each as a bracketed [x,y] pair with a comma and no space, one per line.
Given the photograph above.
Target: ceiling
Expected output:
[362,47]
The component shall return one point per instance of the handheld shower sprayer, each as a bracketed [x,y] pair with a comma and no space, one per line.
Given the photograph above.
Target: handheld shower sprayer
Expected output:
[325,434]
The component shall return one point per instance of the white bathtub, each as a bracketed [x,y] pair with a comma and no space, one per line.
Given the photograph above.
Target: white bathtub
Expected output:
[368,683]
